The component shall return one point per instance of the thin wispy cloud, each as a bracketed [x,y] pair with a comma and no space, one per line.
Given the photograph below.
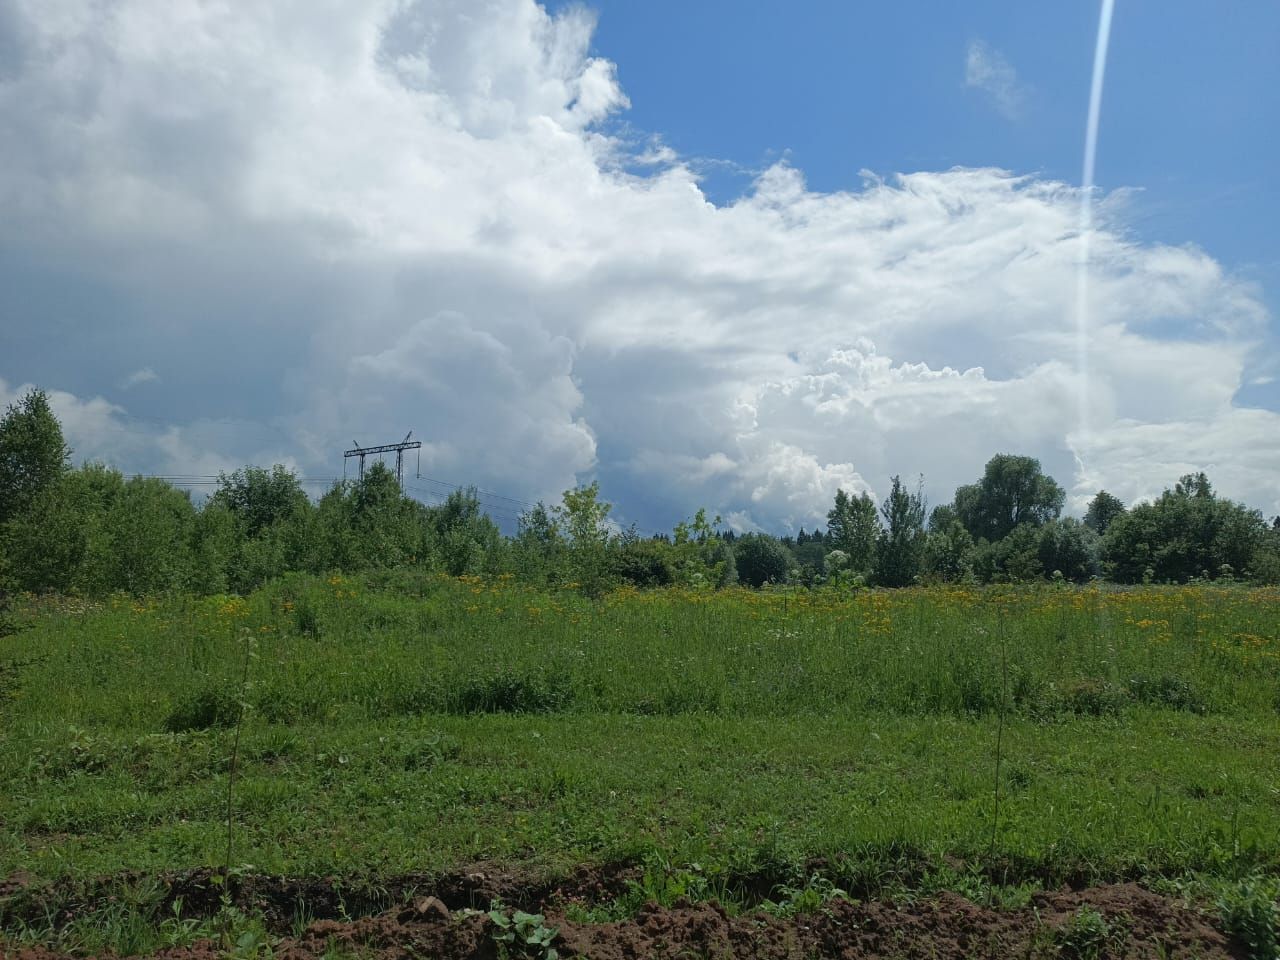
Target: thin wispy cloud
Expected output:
[986,69]
[139,377]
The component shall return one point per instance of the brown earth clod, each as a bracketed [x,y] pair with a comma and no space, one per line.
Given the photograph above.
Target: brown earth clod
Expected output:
[1142,924]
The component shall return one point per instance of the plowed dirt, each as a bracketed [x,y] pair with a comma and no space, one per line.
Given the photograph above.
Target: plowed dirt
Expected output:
[438,923]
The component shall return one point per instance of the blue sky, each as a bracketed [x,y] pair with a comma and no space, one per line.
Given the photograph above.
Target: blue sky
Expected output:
[1190,118]
[634,242]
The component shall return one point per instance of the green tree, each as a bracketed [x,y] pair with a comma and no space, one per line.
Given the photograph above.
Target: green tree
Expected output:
[539,549]
[464,538]
[62,540]
[948,550]
[336,544]
[696,553]
[761,559]
[853,526]
[33,454]
[1265,566]
[150,526]
[94,491]
[259,498]
[1012,559]
[1187,532]
[215,542]
[941,517]
[45,542]
[809,559]
[1103,508]
[723,562]
[1069,547]
[1018,555]
[582,518]
[644,562]
[900,548]
[387,525]
[1013,491]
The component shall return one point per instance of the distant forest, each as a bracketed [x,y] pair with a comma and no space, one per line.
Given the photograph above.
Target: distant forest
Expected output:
[90,530]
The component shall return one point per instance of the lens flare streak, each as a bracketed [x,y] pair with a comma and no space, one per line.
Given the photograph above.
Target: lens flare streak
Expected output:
[1086,220]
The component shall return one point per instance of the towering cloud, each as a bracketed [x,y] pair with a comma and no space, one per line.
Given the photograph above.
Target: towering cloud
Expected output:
[287,225]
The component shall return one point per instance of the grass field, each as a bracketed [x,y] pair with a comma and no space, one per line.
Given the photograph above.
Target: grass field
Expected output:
[406,723]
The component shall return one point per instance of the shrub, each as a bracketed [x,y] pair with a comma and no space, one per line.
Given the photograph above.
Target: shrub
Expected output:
[761,559]
[643,563]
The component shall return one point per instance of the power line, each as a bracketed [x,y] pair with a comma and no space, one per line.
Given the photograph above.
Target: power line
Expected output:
[193,479]
[489,508]
[487,493]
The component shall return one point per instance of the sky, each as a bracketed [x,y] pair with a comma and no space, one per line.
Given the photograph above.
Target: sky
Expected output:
[709,254]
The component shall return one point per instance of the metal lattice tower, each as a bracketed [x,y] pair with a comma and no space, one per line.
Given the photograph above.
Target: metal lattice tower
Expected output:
[397,448]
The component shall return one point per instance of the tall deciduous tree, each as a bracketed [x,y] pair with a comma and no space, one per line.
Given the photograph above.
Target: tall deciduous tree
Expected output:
[1013,491]
[1187,532]
[948,548]
[259,498]
[583,519]
[1103,508]
[761,559]
[900,548]
[33,454]
[465,539]
[852,526]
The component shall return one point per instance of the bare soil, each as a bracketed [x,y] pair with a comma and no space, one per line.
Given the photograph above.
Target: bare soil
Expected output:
[437,917]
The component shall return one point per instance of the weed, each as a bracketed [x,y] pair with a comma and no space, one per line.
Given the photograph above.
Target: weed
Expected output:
[1250,915]
[214,705]
[511,692]
[520,934]
[234,767]
[1166,690]
[306,618]
[664,883]
[1094,698]
[1085,936]
[810,897]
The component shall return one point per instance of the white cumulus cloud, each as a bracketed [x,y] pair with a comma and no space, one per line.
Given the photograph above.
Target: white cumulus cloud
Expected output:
[349,221]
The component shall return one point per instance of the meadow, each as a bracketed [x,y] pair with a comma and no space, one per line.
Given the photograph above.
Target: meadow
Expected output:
[733,744]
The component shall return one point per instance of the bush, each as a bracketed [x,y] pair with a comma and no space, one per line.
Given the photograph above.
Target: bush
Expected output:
[761,559]
[643,563]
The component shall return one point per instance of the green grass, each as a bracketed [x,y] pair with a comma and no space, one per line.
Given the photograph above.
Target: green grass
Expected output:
[408,723]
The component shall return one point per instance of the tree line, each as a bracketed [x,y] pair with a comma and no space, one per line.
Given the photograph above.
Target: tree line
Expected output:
[91,530]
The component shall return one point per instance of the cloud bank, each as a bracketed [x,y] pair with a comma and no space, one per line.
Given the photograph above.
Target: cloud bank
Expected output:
[297,225]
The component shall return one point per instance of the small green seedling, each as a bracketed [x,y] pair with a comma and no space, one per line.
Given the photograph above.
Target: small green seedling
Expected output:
[1085,936]
[521,934]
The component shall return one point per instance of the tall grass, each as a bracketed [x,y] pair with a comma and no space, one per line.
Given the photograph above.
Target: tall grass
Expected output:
[402,644]
[401,722]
